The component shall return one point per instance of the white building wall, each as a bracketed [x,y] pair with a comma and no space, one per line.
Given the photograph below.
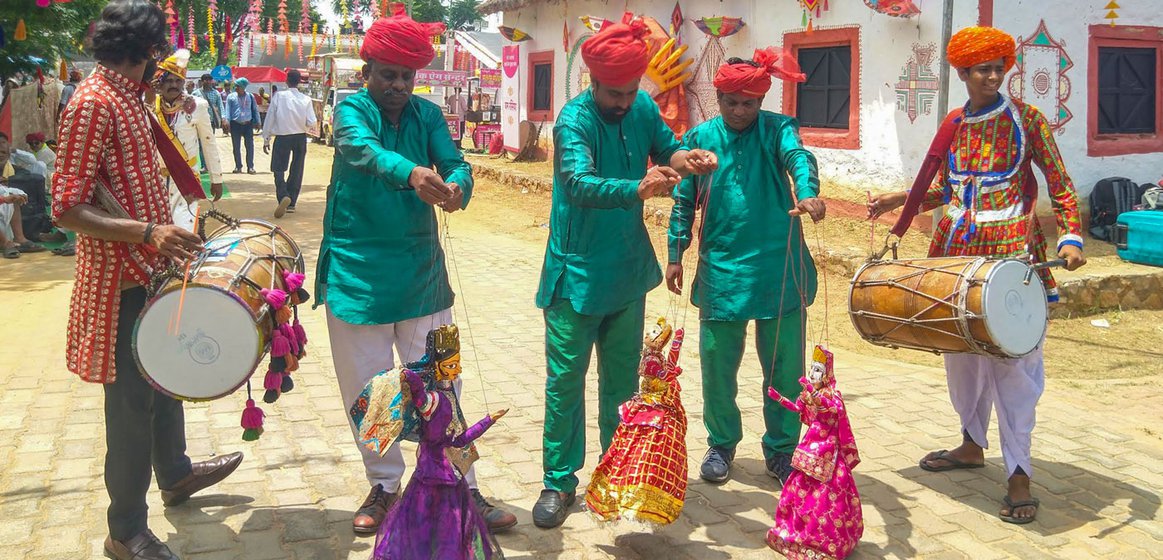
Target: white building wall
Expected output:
[891,144]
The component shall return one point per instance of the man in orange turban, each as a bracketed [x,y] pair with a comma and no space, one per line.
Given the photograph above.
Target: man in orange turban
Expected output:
[989,209]
[386,194]
[742,273]
[599,262]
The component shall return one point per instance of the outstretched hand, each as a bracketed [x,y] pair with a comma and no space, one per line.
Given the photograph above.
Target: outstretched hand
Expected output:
[498,414]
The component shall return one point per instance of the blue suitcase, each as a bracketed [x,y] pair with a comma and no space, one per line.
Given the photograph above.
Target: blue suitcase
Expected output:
[1138,236]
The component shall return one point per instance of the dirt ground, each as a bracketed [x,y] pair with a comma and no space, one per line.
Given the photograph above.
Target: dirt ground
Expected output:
[1108,363]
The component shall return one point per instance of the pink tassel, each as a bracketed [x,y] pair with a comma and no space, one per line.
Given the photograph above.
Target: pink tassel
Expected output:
[272,380]
[300,334]
[292,339]
[251,421]
[275,298]
[294,280]
[280,346]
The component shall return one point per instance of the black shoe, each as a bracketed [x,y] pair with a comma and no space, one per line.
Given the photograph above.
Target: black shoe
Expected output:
[779,466]
[291,209]
[551,508]
[237,170]
[717,464]
[496,518]
[143,546]
[251,171]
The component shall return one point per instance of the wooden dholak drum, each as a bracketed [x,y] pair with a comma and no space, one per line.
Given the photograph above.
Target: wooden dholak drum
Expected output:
[976,305]
[224,326]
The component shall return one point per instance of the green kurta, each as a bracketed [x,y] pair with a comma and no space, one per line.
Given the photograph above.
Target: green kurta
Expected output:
[745,270]
[599,255]
[380,260]
[743,258]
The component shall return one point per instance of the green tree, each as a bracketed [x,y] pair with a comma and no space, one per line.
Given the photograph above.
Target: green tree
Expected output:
[463,15]
[53,32]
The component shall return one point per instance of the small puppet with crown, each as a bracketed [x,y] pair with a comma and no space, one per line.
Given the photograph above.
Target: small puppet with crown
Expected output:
[819,514]
[643,475]
[435,517]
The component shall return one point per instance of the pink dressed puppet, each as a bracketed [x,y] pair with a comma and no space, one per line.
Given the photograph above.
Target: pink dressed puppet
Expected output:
[819,516]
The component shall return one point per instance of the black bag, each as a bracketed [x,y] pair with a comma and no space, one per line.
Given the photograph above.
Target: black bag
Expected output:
[1111,196]
[34,213]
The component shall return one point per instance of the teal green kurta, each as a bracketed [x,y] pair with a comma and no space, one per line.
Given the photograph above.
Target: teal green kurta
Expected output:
[744,270]
[599,255]
[380,260]
[599,264]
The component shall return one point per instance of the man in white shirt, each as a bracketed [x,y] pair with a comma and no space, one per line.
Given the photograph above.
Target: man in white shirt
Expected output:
[186,119]
[290,115]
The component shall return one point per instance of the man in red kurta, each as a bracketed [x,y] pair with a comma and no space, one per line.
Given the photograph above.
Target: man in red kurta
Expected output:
[110,190]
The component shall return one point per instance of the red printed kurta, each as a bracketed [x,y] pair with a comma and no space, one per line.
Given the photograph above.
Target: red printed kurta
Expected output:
[982,185]
[105,139]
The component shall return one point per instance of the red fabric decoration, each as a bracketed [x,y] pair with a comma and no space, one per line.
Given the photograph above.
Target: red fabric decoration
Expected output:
[400,40]
[618,54]
[753,81]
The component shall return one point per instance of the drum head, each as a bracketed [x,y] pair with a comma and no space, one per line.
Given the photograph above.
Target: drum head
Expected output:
[215,350]
[1015,313]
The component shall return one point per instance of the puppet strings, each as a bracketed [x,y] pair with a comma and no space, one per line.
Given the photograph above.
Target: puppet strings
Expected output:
[442,224]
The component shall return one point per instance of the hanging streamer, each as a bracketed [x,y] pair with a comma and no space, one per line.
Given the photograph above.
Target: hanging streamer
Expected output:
[210,33]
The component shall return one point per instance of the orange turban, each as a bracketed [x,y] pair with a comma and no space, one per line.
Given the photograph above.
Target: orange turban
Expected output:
[974,45]
[400,40]
[755,81]
[618,54]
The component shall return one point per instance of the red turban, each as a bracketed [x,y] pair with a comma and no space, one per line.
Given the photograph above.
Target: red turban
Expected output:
[400,40]
[974,45]
[752,81]
[34,137]
[618,54]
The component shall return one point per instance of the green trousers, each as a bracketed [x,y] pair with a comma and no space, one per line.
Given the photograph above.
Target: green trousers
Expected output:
[570,337]
[721,346]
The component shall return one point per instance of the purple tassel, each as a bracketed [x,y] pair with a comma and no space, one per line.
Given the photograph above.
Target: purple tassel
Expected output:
[294,280]
[301,337]
[292,339]
[251,421]
[280,346]
[275,298]
[271,383]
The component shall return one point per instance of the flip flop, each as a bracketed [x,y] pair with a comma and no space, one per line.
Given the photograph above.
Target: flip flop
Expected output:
[11,252]
[953,462]
[1015,505]
[66,250]
[29,247]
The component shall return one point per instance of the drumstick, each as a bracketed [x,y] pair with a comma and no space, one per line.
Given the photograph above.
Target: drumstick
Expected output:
[181,299]
[871,226]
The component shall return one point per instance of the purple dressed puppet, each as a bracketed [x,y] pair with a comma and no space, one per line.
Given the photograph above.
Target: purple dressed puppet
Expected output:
[436,517]
[819,516]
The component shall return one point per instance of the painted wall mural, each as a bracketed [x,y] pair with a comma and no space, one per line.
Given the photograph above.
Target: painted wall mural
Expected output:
[917,86]
[1041,78]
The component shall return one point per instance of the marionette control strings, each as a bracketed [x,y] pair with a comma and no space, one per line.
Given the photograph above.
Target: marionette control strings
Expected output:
[453,265]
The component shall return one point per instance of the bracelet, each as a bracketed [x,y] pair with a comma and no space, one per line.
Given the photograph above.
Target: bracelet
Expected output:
[148,233]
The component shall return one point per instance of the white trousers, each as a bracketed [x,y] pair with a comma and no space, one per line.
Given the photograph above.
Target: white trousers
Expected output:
[362,351]
[978,384]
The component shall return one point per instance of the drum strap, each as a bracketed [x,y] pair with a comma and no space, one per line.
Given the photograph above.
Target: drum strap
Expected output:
[932,163]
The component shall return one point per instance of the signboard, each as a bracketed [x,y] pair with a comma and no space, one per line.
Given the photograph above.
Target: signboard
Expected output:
[509,97]
[490,78]
[220,73]
[447,78]
[453,122]
[483,133]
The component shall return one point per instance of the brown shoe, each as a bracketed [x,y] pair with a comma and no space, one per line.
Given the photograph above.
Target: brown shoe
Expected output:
[369,516]
[496,518]
[202,476]
[143,546]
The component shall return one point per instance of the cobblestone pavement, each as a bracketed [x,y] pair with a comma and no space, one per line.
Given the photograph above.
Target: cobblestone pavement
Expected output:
[1098,472]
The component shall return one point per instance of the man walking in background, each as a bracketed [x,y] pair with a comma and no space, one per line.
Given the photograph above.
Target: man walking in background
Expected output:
[242,113]
[290,116]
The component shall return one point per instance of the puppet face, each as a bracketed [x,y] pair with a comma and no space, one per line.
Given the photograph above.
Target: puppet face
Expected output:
[816,373]
[448,369]
[658,335]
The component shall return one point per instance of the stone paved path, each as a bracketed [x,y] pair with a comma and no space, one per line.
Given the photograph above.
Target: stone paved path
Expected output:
[1098,472]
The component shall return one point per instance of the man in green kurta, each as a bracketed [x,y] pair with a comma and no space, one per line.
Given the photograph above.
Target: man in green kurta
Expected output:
[599,262]
[381,268]
[753,264]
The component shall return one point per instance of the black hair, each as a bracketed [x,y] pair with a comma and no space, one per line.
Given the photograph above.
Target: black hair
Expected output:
[294,78]
[737,60]
[205,78]
[128,31]
[5,136]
